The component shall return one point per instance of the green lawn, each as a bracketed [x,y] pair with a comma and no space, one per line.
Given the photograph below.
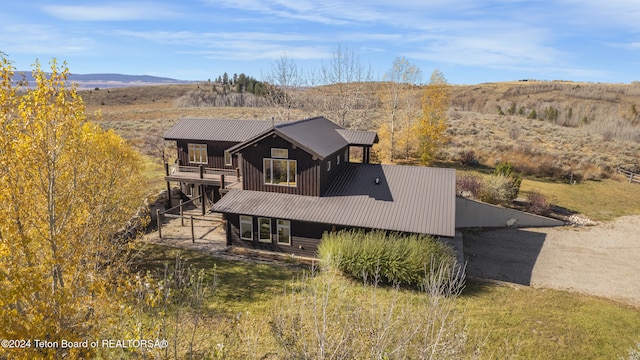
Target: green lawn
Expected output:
[599,200]
[533,323]
[550,324]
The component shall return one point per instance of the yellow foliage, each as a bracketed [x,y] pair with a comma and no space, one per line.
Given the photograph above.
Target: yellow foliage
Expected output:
[383,149]
[431,126]
[66,188]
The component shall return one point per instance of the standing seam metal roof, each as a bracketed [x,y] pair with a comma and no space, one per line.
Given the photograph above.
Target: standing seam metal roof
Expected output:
[319,136]
[217,129]
[356,137]
[407,198]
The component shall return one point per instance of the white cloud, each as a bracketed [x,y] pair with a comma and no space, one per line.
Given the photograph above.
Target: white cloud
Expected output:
[333,12]
[597,14]
[40,39]
[238,46]
[120,11]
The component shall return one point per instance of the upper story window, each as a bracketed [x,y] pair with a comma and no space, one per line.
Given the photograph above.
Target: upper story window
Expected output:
[346,155]
[329,165]
[227,159]
[338,160]
[198,153]
[279,153]
[280,172]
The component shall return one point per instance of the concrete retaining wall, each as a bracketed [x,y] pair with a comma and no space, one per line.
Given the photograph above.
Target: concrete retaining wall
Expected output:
[470,213]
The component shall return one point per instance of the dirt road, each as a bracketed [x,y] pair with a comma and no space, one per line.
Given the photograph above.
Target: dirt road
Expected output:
[601,260]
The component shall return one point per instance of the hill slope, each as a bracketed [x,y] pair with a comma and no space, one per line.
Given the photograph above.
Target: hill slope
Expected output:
[583,130]
[92,81]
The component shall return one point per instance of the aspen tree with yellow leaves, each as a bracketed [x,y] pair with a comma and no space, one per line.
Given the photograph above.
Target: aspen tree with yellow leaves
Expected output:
[431,126]
[66,188]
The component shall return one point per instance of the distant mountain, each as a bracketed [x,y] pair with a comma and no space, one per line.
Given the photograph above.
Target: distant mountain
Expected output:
[90,81]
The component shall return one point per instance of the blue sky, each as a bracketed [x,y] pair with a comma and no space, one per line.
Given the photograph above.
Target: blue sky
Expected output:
[470,41]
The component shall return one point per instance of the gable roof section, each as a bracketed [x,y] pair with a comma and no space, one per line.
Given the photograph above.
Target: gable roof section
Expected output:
[216,129]
[407,198]
[317,136]
[360,138]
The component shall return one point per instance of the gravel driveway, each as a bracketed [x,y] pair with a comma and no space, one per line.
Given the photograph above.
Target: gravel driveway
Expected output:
[602,260]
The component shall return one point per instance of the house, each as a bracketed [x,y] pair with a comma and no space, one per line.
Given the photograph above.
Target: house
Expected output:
[281,186]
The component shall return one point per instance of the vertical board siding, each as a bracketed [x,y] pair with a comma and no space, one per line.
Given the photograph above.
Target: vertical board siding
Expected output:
[215,153]
[308,177]
[327,176]
[305,237]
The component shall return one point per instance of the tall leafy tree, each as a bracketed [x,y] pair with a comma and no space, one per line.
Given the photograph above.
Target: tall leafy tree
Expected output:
[66,189]
[432,123]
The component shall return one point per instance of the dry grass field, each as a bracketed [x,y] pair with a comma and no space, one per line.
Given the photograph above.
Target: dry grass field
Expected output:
[549,152]
[584,130]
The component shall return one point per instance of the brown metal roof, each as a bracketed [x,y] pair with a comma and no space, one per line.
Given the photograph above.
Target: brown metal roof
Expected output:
[217,129]
[360,138]
[407,198]
[318,136]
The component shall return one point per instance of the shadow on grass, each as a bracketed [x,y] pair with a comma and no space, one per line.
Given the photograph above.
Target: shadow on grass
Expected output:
[475,287]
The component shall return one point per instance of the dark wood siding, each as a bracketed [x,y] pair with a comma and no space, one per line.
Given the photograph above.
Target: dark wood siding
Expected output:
[305,236]
[215,153]
[308,170]
[327,176]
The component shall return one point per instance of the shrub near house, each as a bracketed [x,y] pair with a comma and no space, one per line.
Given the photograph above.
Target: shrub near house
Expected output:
[395,259]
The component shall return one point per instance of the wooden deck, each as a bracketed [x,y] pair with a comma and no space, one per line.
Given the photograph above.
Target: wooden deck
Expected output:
[206,176]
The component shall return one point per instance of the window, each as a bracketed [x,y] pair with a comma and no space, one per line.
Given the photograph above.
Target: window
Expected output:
[279,153]
[246,227]
[346,155]
[280,172]
[227,159]
[338,160]
[198,153]
[328,165]
[284,232]
[264,225]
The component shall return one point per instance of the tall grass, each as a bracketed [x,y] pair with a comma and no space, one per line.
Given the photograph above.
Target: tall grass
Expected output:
[326,317]
[390,258]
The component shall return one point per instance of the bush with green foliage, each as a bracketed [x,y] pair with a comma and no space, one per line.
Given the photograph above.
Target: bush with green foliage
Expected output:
[497,189]
[387,257]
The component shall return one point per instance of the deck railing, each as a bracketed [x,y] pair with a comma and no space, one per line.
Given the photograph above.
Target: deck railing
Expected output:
[175,168]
